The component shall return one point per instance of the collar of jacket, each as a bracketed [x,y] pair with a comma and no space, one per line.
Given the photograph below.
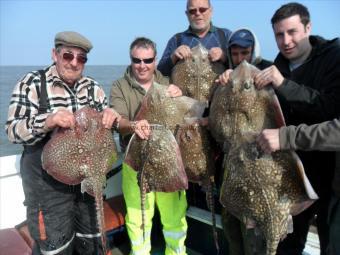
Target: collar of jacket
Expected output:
[52,77]
[157,77]
[212,29]
[319,47]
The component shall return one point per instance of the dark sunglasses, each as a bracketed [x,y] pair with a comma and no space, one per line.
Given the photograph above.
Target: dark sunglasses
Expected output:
[145,61]
[200,10]
[69,56]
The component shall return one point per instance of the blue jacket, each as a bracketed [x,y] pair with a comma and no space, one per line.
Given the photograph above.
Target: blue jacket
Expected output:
[216,37]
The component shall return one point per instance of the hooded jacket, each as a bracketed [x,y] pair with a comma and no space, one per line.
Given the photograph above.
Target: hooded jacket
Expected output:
[256,58]
[311,94]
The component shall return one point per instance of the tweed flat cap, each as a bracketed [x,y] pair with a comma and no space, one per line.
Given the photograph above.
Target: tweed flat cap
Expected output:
[73,39]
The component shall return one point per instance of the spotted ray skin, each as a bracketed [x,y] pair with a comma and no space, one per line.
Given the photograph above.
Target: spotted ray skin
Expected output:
[164,114]
[198,152]
[196,75]
[261,190]
[83,155]
[158,162]
[159,108]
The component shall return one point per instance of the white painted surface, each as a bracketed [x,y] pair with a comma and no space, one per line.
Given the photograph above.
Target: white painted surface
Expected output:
[12,210]
[9,165]
[114,186]
[203,216]
[312,245]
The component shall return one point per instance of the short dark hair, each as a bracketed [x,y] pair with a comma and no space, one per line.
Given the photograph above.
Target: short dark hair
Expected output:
[143,42]
[289,10]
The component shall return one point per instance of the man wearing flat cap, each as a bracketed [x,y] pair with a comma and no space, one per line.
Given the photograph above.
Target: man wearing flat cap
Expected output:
[60,218]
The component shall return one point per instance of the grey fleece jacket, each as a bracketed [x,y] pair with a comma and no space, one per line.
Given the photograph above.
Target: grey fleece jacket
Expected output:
[324,137]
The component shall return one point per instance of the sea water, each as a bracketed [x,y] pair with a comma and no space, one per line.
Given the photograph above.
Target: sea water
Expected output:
[9,76]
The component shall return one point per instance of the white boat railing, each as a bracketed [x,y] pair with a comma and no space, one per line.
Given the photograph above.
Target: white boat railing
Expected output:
[12,209]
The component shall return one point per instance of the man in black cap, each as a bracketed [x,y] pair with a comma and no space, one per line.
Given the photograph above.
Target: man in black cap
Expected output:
[60,218]
[243,45]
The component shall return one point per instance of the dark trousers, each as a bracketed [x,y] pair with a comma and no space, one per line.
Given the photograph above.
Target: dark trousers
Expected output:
[334,223]
[241,241]
[294,243]
[60,218]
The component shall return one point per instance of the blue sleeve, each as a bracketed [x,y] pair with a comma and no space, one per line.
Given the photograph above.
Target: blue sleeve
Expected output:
[165,65]
[223,41]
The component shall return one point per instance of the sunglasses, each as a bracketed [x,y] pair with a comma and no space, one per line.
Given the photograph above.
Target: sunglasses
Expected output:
[145,61]
[69,56]
[196,10]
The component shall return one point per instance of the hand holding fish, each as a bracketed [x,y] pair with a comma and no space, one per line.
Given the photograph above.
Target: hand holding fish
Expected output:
[141,128]
[174,91]
[196,75]
[61,118]
[268,140]
[270,75]
[110,116]
[204,122]
[216,54]
[224,77]
[182,52]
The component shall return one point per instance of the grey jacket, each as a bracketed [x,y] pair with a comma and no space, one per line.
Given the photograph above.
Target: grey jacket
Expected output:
[324,137]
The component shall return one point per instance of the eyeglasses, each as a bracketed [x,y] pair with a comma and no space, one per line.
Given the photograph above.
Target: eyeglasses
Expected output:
[196,10]
[69,56]
[145,61]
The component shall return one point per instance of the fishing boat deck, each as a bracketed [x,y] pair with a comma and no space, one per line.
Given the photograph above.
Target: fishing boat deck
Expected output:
[199,239]
[200,223]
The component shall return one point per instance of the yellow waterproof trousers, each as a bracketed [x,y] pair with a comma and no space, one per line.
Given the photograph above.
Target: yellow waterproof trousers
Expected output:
[172,208]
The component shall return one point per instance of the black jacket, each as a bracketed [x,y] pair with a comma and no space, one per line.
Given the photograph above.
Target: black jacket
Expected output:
[311,94]
[263,64]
